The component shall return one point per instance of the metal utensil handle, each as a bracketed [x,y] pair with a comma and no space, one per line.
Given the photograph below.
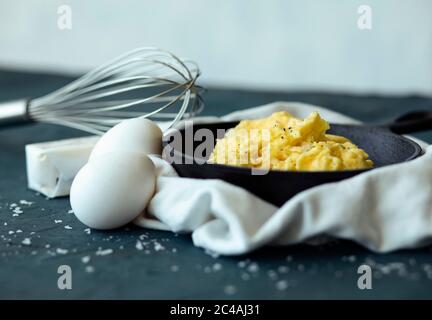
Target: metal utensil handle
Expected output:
[14,112]
[410,122]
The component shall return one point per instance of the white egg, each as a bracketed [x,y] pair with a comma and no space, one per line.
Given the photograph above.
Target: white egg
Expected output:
[113,189]
[137,134]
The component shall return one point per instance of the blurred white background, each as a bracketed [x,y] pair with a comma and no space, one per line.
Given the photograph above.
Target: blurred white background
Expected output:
[274,44]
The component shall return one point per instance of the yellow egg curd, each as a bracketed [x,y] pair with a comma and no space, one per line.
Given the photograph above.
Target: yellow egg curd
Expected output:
[283,142]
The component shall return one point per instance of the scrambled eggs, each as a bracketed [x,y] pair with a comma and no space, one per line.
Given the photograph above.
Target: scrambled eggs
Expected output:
[283,142]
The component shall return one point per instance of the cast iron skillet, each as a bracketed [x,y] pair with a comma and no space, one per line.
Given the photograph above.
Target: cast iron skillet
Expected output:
[383,144]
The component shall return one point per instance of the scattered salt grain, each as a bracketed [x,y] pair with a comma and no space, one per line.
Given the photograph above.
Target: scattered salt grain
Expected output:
[71,211]
[89,269]
[139,245]
[158,246]
[351,258]
[68,227]
[230,290]
[427,268]
[62,251]
[217,267]
[17,210]
[174,268]
[85,259]
[51,253]
[272,274]
[87,230]
[19,231]
[253,267]
[26,241]
[385,269]
[25,202]
[58,221]
[105,252]
[245,276]
[281,285]
[283,269]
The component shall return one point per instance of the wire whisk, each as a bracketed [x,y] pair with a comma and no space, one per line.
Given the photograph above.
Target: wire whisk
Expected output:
[146,82]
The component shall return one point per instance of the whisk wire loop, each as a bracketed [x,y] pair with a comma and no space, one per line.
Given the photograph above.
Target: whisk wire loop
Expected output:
[144,82]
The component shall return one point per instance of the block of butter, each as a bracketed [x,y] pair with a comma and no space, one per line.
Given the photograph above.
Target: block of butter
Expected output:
[52,166]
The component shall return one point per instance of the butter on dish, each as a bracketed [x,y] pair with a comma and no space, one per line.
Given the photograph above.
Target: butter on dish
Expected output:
[284,142]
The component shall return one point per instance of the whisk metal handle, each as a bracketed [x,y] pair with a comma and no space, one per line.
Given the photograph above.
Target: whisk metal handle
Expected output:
[14,112]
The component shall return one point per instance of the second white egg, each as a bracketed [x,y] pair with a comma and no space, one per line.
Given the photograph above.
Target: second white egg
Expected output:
[137,134]
[113,189]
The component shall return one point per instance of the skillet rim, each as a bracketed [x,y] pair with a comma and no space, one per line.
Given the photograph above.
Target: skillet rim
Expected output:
[418,151]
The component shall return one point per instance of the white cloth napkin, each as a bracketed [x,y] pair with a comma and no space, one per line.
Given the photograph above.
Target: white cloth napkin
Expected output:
[384,209]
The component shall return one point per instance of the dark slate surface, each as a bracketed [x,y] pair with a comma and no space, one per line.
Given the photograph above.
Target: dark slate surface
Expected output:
[179,270]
